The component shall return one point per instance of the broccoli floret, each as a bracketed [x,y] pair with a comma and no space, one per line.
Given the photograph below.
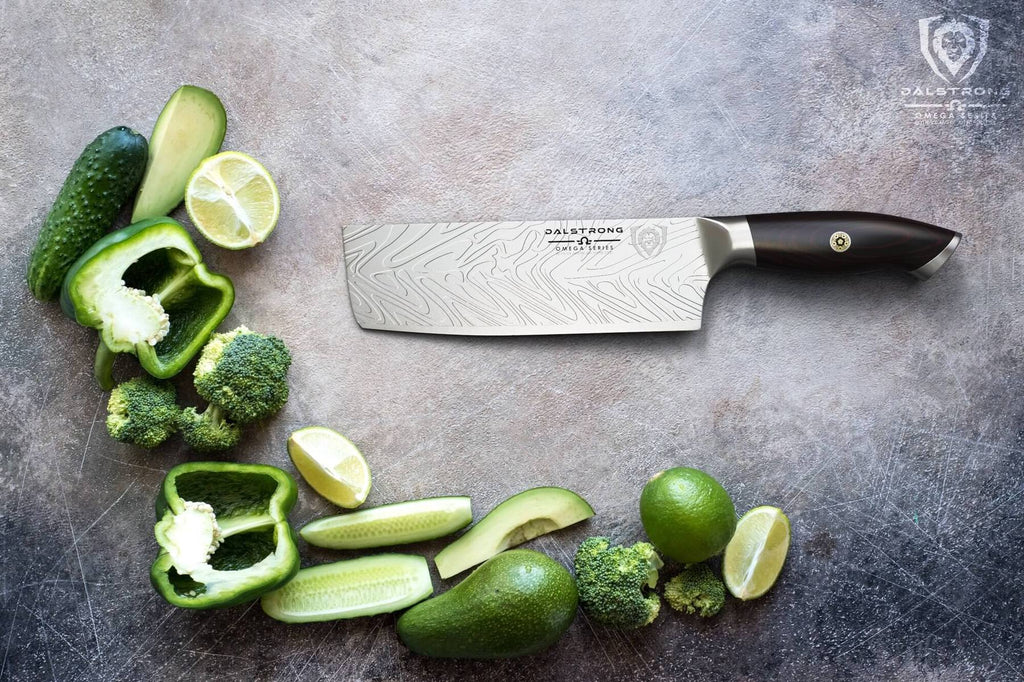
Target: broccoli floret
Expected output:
[208,431]
[244,373]
[612,582]
[696,590]
[142,411]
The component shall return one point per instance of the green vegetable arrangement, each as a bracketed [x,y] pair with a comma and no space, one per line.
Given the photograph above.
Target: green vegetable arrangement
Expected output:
[222,528]
[243,373]
[143,287]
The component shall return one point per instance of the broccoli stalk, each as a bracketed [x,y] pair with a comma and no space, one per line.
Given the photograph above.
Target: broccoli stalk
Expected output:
[612,582]
[142,411]
[696,590]
[209,430]
[244,373]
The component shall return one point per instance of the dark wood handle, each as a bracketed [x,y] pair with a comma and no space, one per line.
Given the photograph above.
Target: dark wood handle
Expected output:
[847,241]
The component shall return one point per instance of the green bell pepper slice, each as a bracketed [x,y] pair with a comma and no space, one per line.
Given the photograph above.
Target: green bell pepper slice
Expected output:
[147,291]
[223,533]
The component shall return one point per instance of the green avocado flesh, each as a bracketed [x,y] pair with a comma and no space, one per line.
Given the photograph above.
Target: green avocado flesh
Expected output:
[518,603]
[519,518]
[189,129]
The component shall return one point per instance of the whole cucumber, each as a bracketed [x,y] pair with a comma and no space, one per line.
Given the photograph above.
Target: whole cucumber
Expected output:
[101,181]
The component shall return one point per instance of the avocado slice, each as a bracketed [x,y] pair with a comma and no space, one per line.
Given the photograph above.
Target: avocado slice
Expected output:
[189,129]
[520,518]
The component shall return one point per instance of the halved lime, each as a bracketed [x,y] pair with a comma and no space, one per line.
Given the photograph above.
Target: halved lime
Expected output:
[390,524]
[756,552]
[232,200]
[331,464]
[348,589]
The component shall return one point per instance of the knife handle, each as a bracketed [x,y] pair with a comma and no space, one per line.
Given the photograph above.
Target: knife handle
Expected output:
[848,241]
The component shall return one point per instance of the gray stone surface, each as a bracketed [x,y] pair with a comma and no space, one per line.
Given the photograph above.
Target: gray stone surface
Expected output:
[882,414]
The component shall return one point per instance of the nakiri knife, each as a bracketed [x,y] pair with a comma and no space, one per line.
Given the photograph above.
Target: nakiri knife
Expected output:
[591,276]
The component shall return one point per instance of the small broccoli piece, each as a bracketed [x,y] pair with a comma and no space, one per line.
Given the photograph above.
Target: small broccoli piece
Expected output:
[142,411]
[244,373]
[208,431]
[696,590]
[612,582]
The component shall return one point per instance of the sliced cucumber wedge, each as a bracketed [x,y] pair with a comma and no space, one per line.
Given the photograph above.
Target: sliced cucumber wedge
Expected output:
[390,524]
[348,589]
[520,518]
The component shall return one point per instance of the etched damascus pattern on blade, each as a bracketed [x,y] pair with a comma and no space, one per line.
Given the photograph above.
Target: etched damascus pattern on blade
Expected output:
[540,277]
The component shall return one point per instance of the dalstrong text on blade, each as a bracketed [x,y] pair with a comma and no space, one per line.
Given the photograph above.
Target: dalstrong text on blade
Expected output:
[584,238]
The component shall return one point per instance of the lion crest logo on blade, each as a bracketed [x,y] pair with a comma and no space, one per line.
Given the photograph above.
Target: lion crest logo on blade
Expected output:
[954,46]
[649,240]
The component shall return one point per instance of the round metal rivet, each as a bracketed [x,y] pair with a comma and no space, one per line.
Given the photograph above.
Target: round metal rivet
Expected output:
[840,241]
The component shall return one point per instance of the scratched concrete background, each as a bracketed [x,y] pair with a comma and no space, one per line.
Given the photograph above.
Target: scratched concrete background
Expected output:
[884,415]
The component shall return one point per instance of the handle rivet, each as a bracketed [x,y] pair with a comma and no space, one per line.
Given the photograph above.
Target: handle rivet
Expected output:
[840,241]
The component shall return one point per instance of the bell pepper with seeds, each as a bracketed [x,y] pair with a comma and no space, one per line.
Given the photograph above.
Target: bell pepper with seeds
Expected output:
[223,533]
[147,291]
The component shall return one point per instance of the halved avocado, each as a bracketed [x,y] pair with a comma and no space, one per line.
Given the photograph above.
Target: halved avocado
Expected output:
[520,518]
[190,128]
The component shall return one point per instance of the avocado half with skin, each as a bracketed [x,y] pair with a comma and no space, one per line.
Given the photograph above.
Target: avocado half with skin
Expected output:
[520,518]
[516,604]
[190,128]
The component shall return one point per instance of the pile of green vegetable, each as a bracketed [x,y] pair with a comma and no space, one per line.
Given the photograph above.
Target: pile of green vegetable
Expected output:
[146,290]
[516,602]
[243,374]
[143,287]
[222,528]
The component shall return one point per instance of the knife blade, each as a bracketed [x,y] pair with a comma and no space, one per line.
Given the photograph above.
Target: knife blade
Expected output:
[593,276]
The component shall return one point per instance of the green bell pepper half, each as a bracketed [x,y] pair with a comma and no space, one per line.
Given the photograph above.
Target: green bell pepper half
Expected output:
[147,291]
[223,533]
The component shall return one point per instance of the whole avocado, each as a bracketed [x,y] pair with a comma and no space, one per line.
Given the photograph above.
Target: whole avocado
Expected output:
[519,602]
[100,183]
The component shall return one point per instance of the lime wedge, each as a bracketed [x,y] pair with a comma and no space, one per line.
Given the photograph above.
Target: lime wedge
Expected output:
[390,524]
[756,552]
[331,464]
[348,589]
[232,200]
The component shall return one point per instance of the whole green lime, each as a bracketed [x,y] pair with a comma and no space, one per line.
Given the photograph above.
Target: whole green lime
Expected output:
[687,514]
